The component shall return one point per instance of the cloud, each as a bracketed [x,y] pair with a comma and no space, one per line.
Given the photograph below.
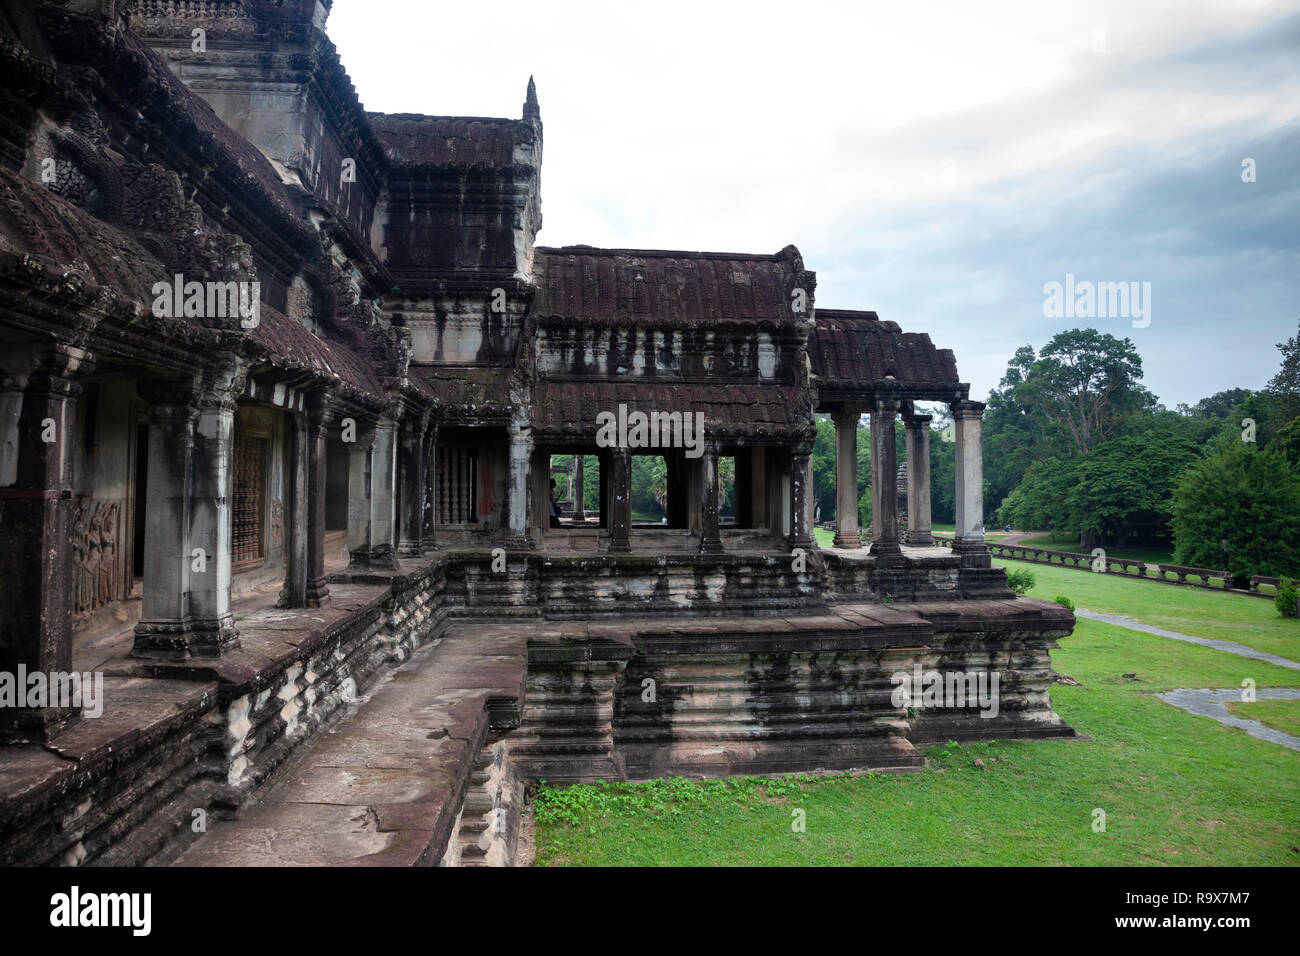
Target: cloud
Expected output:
[936,162]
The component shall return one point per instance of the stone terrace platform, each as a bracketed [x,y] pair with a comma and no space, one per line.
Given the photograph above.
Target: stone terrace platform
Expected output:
[398,724]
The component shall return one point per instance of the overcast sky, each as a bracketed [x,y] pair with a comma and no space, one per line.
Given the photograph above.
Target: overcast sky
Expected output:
[936,162]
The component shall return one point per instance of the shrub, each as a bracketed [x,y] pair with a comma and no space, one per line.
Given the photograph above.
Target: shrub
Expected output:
[1285,599]
[1065,602]
[1020,580]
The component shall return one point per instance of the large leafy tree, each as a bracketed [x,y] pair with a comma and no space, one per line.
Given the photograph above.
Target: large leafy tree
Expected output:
[1125,487]
[1239,509]
[1083,384]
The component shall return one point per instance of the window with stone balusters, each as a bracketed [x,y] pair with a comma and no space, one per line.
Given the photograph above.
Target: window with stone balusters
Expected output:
[248,540]
[457,486]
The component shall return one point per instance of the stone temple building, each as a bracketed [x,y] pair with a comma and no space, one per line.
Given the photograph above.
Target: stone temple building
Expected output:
[282,383]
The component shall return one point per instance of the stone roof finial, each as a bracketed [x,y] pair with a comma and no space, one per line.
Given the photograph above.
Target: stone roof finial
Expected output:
[531,110]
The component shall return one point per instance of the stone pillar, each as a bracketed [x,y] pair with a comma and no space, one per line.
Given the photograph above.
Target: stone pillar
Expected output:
[710,537]
[427,539]
[846,478]
[212,489]
[918,481]
[296,561]
[164,610]
[579,515]
[969,538]
[620,492]
[360,494]
[36,526]
[875,475]
[521,453]
[411,468]
[886,547]
[320,411]
[800,535]
[383,503]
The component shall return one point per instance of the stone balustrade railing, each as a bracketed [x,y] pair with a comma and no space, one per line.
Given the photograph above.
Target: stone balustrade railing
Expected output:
[1150,571]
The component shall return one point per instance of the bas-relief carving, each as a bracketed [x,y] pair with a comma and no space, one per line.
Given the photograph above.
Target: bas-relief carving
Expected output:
[98,572]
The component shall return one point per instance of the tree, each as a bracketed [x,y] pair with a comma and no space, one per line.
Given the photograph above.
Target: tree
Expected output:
[1125,487]
[1083,384]
[1284,387]
[1239,509]
[1038,502]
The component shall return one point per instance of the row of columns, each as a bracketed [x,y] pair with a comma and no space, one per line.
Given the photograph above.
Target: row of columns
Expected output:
[969,538]
[620,518]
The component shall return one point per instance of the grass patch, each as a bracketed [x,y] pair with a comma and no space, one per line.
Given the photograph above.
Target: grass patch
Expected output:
[1251,621]
[1176,789]
[1283,715]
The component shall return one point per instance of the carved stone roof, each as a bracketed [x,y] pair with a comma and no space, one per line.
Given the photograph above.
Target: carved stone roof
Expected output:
[857,352]
[751,412]
[589,286]
[459,141]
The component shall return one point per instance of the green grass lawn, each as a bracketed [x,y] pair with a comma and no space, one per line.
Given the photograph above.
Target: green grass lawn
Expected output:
[1202,613]
[1175,788]
[1283,715]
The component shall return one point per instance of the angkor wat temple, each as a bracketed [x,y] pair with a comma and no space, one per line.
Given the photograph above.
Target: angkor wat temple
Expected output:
[281,386]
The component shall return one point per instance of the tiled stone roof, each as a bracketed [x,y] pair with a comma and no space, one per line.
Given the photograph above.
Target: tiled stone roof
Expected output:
[858,351]
[586,285]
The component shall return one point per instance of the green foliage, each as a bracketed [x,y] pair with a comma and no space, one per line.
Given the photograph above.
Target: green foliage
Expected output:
[649,486]
[1284,387]
[1065,602]
[1286,597]
[1039,500]
[1287,443]
[823,468]
[1020,580]
[1239,509]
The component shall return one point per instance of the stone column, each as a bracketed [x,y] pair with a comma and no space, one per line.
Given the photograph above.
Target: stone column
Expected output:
[360,494]
[427,539]
[521,453]
[875,475]
[846,478]
[969,538]
[320,411]
[710,537]
[886,547]
[620,492]
[918,481]
[296,561]
[35,528]
[383,503]
[800,535]
[164,611]
[411,469]
[212,489]
[579,515]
